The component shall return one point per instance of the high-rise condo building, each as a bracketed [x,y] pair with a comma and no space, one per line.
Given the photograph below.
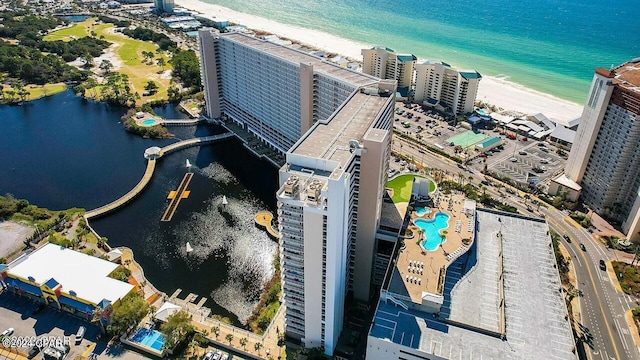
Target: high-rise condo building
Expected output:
[605,156]
[274,92]
[384,63]
[445,88]
[164,6]
[334,125]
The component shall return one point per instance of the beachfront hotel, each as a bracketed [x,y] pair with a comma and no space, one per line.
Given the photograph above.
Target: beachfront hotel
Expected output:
[334,125]
[604,162]
[384,63]
[164,6]
[495,297]
[444,88]
[275,92]
[67,280]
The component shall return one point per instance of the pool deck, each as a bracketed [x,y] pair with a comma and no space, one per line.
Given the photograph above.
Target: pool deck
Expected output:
[414,261]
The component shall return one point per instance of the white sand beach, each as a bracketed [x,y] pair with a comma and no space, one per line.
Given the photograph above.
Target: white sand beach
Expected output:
[504,94]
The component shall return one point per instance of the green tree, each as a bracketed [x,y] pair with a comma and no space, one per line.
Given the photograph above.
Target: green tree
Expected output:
[216,331]
[127,312]
[151,87]
[176,328]
[186,67]
[243,342]
[229,338]
[257,346]
[161,62]
[106,66]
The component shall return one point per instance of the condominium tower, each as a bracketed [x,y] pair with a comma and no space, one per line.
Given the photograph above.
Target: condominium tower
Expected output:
[384,63]
[605,156]
[334,126]
[441,86]
[164,6]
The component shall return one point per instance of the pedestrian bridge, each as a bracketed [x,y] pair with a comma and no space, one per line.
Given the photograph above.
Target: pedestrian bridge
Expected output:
[152,154]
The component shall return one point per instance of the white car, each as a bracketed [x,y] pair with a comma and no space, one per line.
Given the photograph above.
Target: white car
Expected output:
[7,332]
[513,160]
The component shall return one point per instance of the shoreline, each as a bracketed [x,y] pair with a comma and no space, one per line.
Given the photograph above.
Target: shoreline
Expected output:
[502,93]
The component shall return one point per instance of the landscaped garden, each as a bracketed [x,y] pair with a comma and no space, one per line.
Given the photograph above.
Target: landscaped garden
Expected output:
[402,185]
[129,56]
[628,277]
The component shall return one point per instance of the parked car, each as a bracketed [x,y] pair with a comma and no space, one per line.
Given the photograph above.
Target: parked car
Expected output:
[544,161]
[521,152]
[582,247]
[80,334]
[33,352]
[209,355]
[513,159]
[7,332]
[603,265]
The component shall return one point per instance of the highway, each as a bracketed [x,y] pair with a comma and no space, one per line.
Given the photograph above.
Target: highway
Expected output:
[601,306]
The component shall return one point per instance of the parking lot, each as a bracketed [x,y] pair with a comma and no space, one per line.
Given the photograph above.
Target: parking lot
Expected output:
[18,312]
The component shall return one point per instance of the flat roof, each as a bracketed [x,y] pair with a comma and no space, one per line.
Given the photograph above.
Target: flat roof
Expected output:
[297,57]
[81,273]
[566,182]
[329,139]
[628,75]
[564,134]
[534,311]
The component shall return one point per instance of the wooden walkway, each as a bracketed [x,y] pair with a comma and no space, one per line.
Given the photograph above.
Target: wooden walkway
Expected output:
[263,220]
[180,194]
[151,165]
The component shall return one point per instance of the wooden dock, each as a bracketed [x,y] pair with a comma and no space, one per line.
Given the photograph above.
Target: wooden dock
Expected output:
[263,220]
[177,196]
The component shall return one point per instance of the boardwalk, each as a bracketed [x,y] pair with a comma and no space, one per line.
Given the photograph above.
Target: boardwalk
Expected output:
[151,165]
[177,197]
[181,122]
[263,220]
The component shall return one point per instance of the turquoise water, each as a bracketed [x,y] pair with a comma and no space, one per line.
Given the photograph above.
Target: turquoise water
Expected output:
[432,229]
[549,45]
[151,338]
[422,211]
[149,122]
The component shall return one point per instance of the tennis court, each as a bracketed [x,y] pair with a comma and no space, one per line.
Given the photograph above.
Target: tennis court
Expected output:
[467,138]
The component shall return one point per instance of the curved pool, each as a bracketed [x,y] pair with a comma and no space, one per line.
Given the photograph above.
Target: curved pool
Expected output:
[432,229]
[149,122]
[422,211]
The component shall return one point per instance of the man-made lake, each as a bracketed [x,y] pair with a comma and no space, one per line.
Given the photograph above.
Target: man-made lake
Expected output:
[62,151]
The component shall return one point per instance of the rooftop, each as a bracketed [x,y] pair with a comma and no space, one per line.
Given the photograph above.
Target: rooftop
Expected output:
[297,57]
[534,310]
[330,139]
[83,274]
[627,75]
[566,182]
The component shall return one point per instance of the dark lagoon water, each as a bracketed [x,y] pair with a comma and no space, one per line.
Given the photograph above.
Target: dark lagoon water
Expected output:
[63,151]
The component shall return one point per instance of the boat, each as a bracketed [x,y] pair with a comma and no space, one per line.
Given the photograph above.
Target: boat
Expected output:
[188,163]
[224,200]
[189,248]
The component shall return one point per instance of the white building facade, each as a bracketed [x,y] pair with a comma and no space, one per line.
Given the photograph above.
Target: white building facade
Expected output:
[438,84]
[605,156]
[384,63]
[329,208]
[274,92]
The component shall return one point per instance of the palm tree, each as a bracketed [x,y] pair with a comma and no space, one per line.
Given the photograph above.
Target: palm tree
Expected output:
[526,197]
[229,338]
[216,331]
[257,347]
[243,343]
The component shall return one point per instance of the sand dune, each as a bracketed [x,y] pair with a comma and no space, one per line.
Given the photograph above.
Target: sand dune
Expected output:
[504,94]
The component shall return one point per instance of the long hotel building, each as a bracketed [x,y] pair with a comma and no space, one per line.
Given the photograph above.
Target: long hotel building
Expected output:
[334,125]
[605,156]
[440,85]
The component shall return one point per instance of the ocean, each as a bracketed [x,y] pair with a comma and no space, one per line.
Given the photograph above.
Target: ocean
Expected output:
[551,46]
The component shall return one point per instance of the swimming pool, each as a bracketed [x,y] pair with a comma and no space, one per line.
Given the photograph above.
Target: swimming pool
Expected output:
[422,211]
[432,229]
[149,122]
[151,338]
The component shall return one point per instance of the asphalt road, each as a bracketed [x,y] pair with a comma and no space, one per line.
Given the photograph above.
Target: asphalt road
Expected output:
[602,307]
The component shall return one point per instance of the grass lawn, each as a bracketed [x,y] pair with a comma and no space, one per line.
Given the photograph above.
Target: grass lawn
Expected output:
[129,53]
[627,276]
[40,91]
[402,185]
